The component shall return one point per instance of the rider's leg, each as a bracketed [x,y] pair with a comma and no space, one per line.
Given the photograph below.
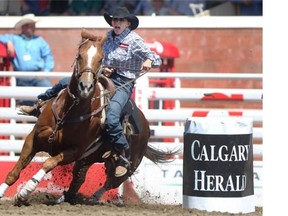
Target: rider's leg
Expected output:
[114,128]
[49,93]
[52,92]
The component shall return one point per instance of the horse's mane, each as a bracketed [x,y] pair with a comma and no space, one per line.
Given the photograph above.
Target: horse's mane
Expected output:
[85,34]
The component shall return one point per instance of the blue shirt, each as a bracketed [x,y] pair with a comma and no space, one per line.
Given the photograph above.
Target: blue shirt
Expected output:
[127,52]
[33,54]
[183,6]
[253,8]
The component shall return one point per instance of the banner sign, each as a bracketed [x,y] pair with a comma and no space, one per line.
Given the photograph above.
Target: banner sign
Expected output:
[218,165]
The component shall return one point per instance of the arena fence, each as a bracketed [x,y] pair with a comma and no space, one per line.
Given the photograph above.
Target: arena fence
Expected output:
[167,124]
[19,125]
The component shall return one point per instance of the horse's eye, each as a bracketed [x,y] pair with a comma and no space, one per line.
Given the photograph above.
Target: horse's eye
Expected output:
[78,57]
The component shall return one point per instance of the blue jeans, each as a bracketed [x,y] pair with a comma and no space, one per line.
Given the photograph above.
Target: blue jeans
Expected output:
[52,92]
[32,82]
[114,111]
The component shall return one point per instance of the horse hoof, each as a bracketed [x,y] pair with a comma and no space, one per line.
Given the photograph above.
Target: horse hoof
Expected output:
[60,200]
[93,201]
[72,199]
[20,201]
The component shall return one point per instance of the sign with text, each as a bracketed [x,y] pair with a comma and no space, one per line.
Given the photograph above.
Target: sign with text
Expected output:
[218,164]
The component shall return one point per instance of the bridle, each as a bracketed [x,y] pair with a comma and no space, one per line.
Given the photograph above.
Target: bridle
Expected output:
[78,73]
[97,73]
[61,120]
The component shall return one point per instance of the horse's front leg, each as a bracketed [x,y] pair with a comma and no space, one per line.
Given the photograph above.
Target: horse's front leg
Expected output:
[23,195]
[27,154]
[64,157]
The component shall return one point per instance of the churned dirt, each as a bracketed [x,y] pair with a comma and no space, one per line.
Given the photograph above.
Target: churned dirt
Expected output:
[41,204]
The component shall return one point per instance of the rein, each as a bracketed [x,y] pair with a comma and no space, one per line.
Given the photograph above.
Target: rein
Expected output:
[60,121]
[130,81]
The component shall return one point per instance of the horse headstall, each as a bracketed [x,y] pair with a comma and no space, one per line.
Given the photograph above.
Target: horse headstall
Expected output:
[78,58]
[95,73]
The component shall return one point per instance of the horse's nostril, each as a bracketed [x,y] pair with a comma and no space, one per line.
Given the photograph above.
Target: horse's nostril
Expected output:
[81,86]
[90,88]
[85,87]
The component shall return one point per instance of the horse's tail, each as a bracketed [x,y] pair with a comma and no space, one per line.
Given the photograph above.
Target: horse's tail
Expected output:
[160,156]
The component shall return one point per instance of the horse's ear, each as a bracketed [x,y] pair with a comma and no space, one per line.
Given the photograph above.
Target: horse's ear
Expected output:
[84,33]
[89,35]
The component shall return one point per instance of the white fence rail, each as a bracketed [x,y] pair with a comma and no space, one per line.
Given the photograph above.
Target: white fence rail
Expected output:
[190,94]
[8,113]
[177,115]
[20,129]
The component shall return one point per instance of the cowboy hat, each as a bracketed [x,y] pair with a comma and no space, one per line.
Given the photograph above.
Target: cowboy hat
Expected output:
[26,19]
[122,12]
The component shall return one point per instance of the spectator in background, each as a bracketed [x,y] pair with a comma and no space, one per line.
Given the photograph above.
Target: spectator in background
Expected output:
[156,8]
[59,7]
[10,8]
[248,7]
[33,53]
[86,7]
[111,5]
[213,3]
[141,7]
[137,7]
[37,7]
[186,7]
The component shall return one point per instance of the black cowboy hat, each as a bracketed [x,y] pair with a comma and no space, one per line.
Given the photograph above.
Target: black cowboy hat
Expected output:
[122,12]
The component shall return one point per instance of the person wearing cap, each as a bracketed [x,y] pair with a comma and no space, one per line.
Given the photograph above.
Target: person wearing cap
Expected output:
[125,55]
[32,52]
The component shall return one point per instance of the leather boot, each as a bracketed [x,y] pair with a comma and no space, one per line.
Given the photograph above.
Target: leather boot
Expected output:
[31,110]
[122,165]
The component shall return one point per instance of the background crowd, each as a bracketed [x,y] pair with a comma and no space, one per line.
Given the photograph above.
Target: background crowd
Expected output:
[137,7]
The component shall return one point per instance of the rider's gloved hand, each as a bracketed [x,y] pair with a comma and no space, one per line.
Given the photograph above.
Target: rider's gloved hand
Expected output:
[108,71]
[147,65]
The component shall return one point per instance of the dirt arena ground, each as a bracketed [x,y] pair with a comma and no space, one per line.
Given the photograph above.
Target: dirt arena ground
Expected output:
[41,205]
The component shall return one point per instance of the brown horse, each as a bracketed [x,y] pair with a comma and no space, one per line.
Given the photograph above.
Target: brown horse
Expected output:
[70,128]
[69,123]
[139,147]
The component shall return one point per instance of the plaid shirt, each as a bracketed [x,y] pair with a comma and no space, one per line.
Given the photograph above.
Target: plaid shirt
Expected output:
[127,52]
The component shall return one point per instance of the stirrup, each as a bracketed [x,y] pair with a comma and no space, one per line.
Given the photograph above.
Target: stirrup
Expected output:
[106,154]
[122,167]
[120,171]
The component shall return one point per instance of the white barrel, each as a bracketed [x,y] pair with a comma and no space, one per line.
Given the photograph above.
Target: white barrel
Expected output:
[218,164]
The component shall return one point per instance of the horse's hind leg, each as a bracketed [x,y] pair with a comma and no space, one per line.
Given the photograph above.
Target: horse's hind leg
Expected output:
[27,154]
[80,169]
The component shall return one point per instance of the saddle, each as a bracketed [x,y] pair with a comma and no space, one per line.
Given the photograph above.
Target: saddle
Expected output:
[130,119]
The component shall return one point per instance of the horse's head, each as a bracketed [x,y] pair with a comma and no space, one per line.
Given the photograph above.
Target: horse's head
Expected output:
[88,62]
